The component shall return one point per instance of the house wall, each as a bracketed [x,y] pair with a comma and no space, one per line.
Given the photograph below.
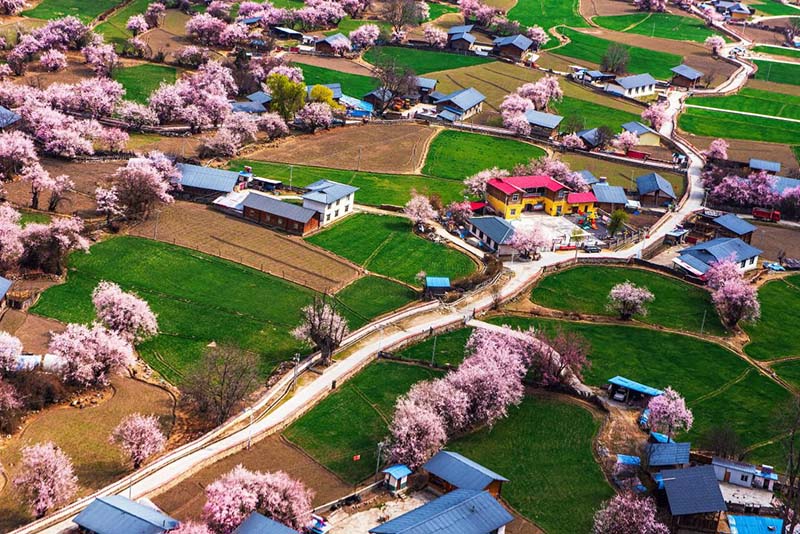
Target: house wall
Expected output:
[494,488]
[472,111]
[649,139]
[461,44]
[287,225]
[655,198]
[636,92]
[483,237]
[324,48]
[735,477]
[680,81]
[512,206]
[331,212]
[543,132]
[509,51]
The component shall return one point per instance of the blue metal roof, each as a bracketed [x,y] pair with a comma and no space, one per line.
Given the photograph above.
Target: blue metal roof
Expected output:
[687,72]
[438,282]
[764,165]
[398,471]
[336,88]
[277,207]
[458,512]
[426,83]
[637,80]
[260,96]
[248,107]
[718,249]
[659,437]
[258,524]
[207,178]
[251,20]
[333,39]
[782,183]
[588,177]
[7,117]
[460,29]
[355,103]
[609,194]
[288,31]
[635,386]
[626,459]
[590,137]
[328,191]
[520,41]
[638,128]
[463,99]
[449,116]
[649,183]
[743,467]
[545,120]
[468,37]
[658,478]
[755,524]
[5,285]
[661,454]
[497,229]
[115,514]
[693,490]
[738,226]
[460,471]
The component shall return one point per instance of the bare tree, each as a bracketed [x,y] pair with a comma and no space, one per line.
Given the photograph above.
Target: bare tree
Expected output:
[396,80]
[722,440]
[322,326]
[400,13]
[708,77]
[223,378]
[615,59]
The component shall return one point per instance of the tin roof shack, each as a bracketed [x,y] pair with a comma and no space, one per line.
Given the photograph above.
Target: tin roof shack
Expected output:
[494,232]
[512,47]
[115,514]
[710,224]
[448,471]
[396,477]
[685,76]
[204,184]
[258,524]
[437,286]
[268,211]
[630,392]
[669,455]
[543,124]
[695,500]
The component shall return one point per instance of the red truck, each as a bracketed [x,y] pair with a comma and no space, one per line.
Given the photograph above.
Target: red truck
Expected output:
[764,214]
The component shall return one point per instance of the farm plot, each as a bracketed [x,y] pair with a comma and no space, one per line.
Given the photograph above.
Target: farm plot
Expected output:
[140,81]
[375,188]
[774,8]
[56,9]
[771,71]
[663,25]
[352,420]
[620,174]
[347,24]
[198,299]
[113,28]
[437,10]
[742,150]
[753,101]
[355,85]
[777,51]
[199,227]
[386,245]
[774,335]
[83,435]
[584,289]
[545,447]
[372,296]
[712,123]
[444,349]
[547,13]
[424,61]
[456,154]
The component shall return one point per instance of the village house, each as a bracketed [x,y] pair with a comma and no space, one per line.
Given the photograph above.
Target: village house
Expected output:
[636,86]
[291,218]
[461,511]
[204,184]
[328,45]
[282,32]
[460,105]
[647,136]
[259,524]
[493,232]
[609,197]
[592,138]
[248,107]
[589,178]
[510,197]
[436,286]
[694,498]
[8,119]
[754,524]
[667,455]
[512,47]
[425,87]
[396,477]
[758,165]
[543,124]
[744,474]
[460,38]
[330,199]
[378,98]
[115,514]
[733,10]
[596,76]
[654,190]
[698,259]
[709,224]
[448,471]
[685,76]
[336,89]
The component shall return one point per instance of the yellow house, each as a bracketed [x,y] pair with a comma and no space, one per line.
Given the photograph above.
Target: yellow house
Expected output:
[511,197]
[647,136]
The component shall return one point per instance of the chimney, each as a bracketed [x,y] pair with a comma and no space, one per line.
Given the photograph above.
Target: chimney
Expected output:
[603,179]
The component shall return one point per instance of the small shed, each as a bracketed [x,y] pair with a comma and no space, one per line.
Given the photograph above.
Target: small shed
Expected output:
[426,87]
[436,286]
[685,76]
[647,136]
[8,119]
[770,167]
[654,189]
[396,477]
[460,38]
[512,47]
[668,455]
[730,225]
[596,76]
[378,98]
[543,124]
[592,138]
[259,524]
[331,44]
[695,500]
[609,197]
[448,471]
[625,390]
[115,514]
[754,524]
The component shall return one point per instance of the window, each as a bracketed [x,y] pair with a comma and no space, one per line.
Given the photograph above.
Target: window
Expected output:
[336,214]
[280,221]
[745,478]
[743,264]
[347,208]
[328,217]
[337,201]
[515,197]
[752,261]
[513,212]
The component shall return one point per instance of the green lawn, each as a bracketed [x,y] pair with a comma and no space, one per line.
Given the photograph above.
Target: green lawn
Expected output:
[198,299]
[371,296]
[771,71]
[712,123]
[547,13]
[778,50]
[375,188]
[114,29]
[775,334]
[423,61]
[140,81]
[664,25]
[585,290]
[753,101]
[591,48]
[85,10]
[544,447]
[455,154]
[352,420]
[773,7]
[448,348]
[386,245]
[347,25]
[353,85]
[593,115]
[789,371]
[437,10]
[28,217]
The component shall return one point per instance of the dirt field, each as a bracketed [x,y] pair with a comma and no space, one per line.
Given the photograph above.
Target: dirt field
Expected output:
[594,8]
[772,239]
[775,87]
[185,500]
[764,36]
[335,63]
[743,150]
[197,226]
[184,147]
[33,330]
[391,148]
[75,72]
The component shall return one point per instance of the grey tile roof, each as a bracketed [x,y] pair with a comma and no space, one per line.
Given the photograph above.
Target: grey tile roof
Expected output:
[328,191]
[542,119]
[460,471]
[687,72]
[248,107]
[457,512]
[460,29]
[499,230]
[637,80]
[650,183]
[638,128]
[661,454]
[588,177]
[258,524]
[426,83]
[115,514]
[731,222]
[718,249]
[7,117]
[464,99]
[207,178]
[382,94]
[693,490]
[520,41]
[260,96]
[336,88]
[609,194]
[277,207]
[765,165]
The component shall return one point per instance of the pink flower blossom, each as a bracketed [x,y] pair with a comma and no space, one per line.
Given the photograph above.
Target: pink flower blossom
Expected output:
[538,35]
[190,527]
[154,14]
[736,301]
[627,513]
[314,116]
[137,24]
[435,37]
[528,241]
[46,478]
[417,433]
[53,60]
[628,300]
[101,58]
[476,184]
[668,413]
[124,313]
[419,209]
[294,74]
[12,7]
[91,355]
[572,141]
[140,437]
[10,350]
[9,398]
[718,149]
[273,125]
[656,115]
[45,246]
[144,182]
[517,123]
[626,141]
[365,36]
[715,43]
[205,28]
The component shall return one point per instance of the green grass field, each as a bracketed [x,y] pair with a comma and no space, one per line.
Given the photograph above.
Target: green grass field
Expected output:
[423,61]
[455,154]
[347,25]
[386,245]
[712,123]
[448,349]
[140,81]
[352,420]
[544,447]
[353,85]
[547,13]
[198,299]
[375,188]
[664,25]
[585,290]
[778,72]
[591,48]
[778,50]
[773,7]
[114,29]
[371,296]
[593,115]
[754,101]
[56,9]
[28,217]
[437,10]
[775,334]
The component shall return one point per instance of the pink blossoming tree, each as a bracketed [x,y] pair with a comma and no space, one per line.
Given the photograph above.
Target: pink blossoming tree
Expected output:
[628,300]
[12,7]
[53,60]
[124,313]
[137,24]
[572,141]
[476,184]
[419,209]
[715,43]
[669,414]
[190,527]
[154,15]
[46,246]
[10,350]
[656,115]
[718,149]
[101,58]
[627,513]
[735,301]
[141,184]
[626,141]
[46,478]
[140,437]
[314,116]
[529,241]
[435,37]
[538,35]
[108,203]
[9,399]
[417,433]
[91,355]
[365,36]
[322,326]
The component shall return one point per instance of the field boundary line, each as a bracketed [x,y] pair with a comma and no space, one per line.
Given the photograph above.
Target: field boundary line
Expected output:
[370,403]
[724,387]
[378,249]
[745,113]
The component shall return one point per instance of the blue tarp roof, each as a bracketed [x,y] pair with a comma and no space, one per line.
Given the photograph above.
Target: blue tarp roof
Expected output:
[609,194]
[258,524]
[687,72]
[437,281]
[458,512]
[545,120]
[398,471]
[661,454]
[5,285]
[497,229]
[650,183]
[355,103]
[634,386]
[738,226]
[755,524]
[207,178]
[115,514]
[693,490]
[459,470]
[702,255]
[765,165]
[659,437]
[658,478]
[251,20]
[627,459]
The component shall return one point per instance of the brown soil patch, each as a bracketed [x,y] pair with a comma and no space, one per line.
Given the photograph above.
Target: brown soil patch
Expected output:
[185,500]
[334,63]
[179,146]
[83,435]
[773,87]
[199,227]
[390,148]
[772,239]
[75,72]
[595,8]
[33,330]
[743,150]
[761,36]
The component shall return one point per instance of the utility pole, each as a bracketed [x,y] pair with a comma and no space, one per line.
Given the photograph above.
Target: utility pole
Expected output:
[378,460]
[433,352]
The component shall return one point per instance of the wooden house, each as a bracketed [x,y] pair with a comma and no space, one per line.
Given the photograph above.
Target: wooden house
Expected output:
[709,224]
[685,76]
[425,88]
[694,498]
[512,47]
[654,190]
[460,38]
[268,211]
[494,232]
[509,197]
[330,45]
[204,184]
[460,105]
[115,514]
[448,471]
[592,138]
[378,98]
[543,124]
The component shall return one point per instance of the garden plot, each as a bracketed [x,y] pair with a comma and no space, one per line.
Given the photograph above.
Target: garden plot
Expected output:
[774,336]
[547,13]
[619,173]
[743,150]
[424,61]
[141,80]
[663,25]
[772,71]
[56,9]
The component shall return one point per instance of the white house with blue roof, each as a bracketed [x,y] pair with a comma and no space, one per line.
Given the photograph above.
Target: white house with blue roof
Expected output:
[116,514]
[494,233]
[647,136]
[698,259]
[208,182]
[460,105]
[330,199]
[636,86]
[448,471]
[744,474]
